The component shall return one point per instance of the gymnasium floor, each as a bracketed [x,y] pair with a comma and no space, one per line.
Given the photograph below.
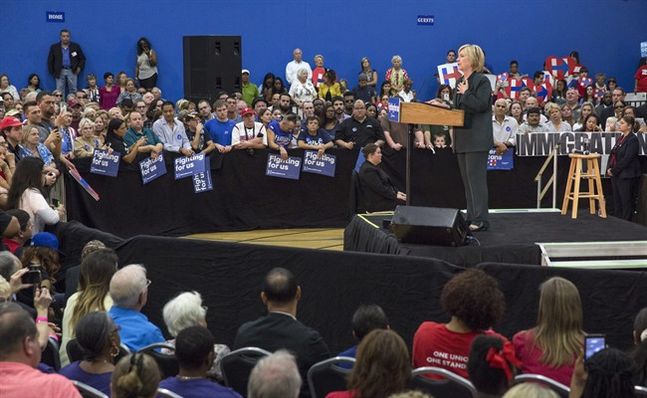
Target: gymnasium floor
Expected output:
[305,238]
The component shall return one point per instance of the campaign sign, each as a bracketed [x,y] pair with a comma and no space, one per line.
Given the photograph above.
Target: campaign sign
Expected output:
[360,161]
[152,168]
[105,163]
[394,109]
[324,165]
[277,167]
[188,166]
[202,181]
[504,161]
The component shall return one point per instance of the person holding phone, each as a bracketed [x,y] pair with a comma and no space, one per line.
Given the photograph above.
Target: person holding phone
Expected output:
[146,69]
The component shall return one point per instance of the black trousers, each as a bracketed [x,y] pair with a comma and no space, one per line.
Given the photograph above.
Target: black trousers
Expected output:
[624,196]
[148,83]
[473,167]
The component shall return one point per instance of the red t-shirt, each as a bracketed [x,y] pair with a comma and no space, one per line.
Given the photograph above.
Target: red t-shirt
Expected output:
[435,345]
[529,355]
[641,76]
[11,245]
[341,394]
[317,75]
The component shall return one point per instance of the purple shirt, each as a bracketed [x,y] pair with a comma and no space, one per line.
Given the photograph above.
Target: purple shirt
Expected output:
[197,388]
[99,381]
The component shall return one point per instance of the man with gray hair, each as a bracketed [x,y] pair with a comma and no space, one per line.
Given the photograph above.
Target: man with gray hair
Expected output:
[275,376]
[129,292]
[293,66]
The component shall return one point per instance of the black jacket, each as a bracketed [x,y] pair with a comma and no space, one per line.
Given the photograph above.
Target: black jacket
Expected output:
[55,58]
[280,331]
[476,133]
[627,163]
[377,190]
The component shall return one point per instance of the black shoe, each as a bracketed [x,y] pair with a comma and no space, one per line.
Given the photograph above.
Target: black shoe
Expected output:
[478,226]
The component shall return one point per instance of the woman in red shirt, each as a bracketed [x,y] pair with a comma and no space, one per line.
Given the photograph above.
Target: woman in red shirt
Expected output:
[551,347]
[641,76]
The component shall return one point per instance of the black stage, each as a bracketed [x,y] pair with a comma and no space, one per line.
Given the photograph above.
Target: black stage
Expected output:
[510,239]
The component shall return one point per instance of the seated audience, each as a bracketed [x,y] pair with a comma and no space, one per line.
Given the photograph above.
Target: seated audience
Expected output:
[130,93]
[279,134]
[504,128]
[491,366]
[136,131]
[377,191]
[313,138]
[194,129]
[26,194]
[87,142]
[135,376]
[587,109]
[475,303]
[567,114]
[280,328]
[275,376]
[607,374]
[170,131]
[95,273]
[364,91]
[98,338]
[591,123]
[407,94]
[15,242]
[551,348]
[532,123]
[195,357]
[555,123]
[359,129]
[218,130]
[20,354]
[365,319]
[382,367]
[115,141]
[248,134]
[530,390]
[186,310]
[129,292]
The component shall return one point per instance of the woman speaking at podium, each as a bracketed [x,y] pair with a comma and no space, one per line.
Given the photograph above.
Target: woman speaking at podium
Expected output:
[472,142]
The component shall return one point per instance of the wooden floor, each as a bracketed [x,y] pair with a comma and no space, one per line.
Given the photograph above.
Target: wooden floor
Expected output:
[306,238]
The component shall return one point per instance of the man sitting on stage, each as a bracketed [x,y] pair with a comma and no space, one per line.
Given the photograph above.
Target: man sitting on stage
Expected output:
[280,329]
[359,129]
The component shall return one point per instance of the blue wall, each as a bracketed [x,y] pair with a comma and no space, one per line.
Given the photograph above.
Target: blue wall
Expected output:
[607,33]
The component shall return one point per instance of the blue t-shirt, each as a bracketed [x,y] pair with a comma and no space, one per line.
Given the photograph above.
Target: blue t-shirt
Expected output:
[219,132]
[197,388]
[136,331]
[281,137]
[320,138]
[99,381]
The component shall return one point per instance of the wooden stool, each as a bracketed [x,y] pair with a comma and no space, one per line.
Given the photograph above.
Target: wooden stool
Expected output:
[592,175]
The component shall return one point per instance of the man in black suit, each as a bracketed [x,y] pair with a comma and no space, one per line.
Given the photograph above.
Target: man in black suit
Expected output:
[280,329]
[65,61]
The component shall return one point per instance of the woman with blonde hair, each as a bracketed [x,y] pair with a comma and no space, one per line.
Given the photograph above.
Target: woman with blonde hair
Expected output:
[555,122]
[382,367]
[87,141]
[551,348]
[530,390]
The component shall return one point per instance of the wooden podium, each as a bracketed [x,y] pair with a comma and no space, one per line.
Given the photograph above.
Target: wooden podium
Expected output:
[413,113]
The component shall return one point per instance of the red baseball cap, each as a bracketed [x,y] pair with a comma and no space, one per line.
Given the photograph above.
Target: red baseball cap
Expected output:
[247,111]
[9,121]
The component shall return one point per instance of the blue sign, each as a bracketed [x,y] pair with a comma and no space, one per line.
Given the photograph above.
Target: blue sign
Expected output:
[324,165]
[55,16]
[277,167]
[152,168]
[394,109]
[202,181]
[188,166]
[427,20]
[105,163]
[504,161]
[360,160]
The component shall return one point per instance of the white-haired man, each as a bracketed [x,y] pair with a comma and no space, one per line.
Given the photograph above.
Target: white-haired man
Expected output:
[293,66]
[129,292]
[275,376]
[504,128]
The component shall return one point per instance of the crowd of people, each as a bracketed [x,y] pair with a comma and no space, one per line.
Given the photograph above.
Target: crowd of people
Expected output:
[103,338]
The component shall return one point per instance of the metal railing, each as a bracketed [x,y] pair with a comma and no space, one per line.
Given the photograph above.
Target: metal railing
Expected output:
[552,181]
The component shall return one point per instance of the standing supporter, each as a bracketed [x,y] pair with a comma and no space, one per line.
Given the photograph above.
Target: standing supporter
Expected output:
[382,367]
[359,129]
[259,105]
[367,69]
[11,130]
[555,122]
[232,106]
[313,138]
[318,71]
[617,95]
[92,91]
[87,141]
[98,338]
[407,94]
[129,292]
[15,242]
[64,62]
[551,348]
[567,114]
[109,93]
[475,303]
[278,87]
[248,134]
[20,354]
[115,141]
[624,169]
[7,167]
[265,118]
[122,79]
[249,89]
[513,70]
[26,193]
[591,123]
[641,76]
[349,102]
[516,111]
[7,100]
[136,131]
[491,366]
[218,130]
[533,122]
[130,93]
[95,273]
[329,88]
[396,75]
[6,86]
[67,132]
[285,104]
[170,131]
[589,95]
[275,376]
[33,83]
[204,111]
[363,91]
[329,121]
[559,92]
[146,65]
[295,65]
[302,89]
[136,375]
[586,110]
[504,128]
[279,134]
[267,87]
[195,133]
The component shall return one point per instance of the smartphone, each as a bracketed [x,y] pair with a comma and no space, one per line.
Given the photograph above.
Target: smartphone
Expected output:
[592,344]
[33,276]
[55,203]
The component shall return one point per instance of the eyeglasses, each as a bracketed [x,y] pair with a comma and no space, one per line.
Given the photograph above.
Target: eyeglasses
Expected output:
[148,282]
[58,95]
[619,107]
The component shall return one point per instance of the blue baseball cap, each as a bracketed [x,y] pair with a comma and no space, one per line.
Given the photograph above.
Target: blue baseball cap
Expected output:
[45,239]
